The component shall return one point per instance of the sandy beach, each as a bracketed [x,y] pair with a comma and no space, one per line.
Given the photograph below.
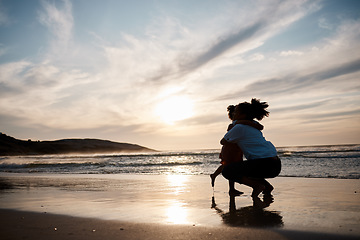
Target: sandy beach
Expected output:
[124,206]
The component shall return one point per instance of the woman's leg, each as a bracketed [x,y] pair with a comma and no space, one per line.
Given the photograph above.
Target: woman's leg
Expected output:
[234,172]
[252,173]
[257,185]
[268,187]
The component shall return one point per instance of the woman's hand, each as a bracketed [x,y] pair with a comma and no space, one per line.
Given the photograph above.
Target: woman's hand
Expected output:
[253,124]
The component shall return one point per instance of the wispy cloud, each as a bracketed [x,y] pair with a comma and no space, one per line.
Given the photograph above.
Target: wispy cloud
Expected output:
[324,23]
[305,106]
[223,45]
[4,17]
[311,69]
[59,21]
[291,53]
[296,83]
[194,53]
[2,50]
[10,78]
[332,115]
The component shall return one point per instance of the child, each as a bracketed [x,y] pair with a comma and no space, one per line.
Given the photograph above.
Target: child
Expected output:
[231,152]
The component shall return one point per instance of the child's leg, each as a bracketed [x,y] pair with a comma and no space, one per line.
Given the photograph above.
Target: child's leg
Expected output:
[215,174]
[232,190]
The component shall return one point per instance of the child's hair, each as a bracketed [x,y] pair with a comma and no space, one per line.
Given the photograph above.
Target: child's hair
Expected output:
[255,109]
[231,110]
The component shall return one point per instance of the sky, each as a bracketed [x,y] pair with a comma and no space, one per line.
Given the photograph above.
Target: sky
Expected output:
[161,73]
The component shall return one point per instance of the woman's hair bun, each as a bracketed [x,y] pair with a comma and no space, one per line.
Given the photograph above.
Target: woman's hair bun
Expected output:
[259,109]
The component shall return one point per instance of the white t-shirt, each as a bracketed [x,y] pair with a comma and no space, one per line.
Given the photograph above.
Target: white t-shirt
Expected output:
[251,141]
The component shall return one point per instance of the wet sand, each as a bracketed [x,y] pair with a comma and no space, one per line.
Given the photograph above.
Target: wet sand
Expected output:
[174,207]
[30,225]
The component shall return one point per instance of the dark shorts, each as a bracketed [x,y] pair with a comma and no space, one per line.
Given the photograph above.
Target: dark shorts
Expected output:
[256,168]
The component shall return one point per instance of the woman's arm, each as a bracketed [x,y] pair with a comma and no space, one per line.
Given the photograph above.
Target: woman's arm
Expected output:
[251,124]
[223,141]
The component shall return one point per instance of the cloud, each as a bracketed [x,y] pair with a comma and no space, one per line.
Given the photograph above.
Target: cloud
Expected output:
[290,53]
[300,83]
[186,63]
[324,23]
[30,90]
[195,53]
[296,83]
[10,78]
[138,69]
[313,69]
[333,115]
[4,17]
[3,50]
[256,57]
[59,21]
[299,107]
[223,45]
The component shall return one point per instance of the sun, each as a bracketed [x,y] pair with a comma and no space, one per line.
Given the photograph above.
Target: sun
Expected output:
[174,109]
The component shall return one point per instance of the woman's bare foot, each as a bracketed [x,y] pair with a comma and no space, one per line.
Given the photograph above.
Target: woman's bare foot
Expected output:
[268,190]
[257,190]
[212,176]
[268,187]
[234,192]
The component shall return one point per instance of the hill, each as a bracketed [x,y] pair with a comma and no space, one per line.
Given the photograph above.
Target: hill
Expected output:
[12,146]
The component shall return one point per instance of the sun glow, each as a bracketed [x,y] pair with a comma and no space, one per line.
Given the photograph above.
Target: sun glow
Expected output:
[174,109]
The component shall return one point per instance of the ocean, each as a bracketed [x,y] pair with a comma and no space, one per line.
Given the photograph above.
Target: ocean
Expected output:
[335,161]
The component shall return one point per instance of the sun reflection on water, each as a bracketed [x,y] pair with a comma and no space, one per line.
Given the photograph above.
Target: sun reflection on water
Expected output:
[177,181]
[177,212]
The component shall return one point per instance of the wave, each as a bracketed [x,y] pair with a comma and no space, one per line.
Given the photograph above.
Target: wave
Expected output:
[327,156]
[318,162]
[96,164]
[356,176]
[342,151]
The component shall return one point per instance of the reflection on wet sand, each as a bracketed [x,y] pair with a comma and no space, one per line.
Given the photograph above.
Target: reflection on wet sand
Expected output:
[250,216]
[177,213]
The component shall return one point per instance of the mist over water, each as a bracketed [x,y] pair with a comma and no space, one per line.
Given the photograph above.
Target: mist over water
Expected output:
[336,161]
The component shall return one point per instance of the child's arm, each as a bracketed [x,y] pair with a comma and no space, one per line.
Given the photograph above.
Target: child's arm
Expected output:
[251,124]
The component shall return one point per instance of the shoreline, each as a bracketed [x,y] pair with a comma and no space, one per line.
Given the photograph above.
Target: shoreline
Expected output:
[303,206]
